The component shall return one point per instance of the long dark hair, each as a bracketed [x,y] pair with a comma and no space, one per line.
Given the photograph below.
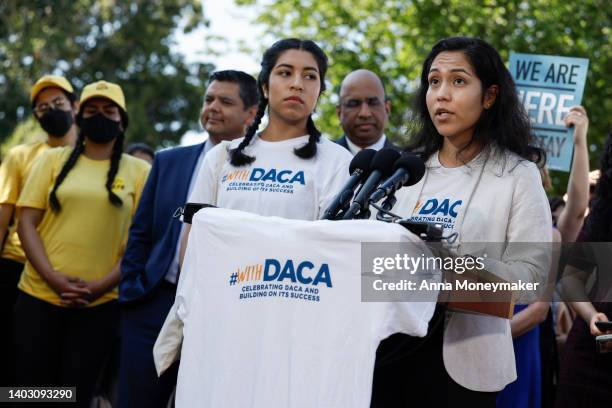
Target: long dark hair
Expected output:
[598,226]
[506,123]
[237,156]
[76,153]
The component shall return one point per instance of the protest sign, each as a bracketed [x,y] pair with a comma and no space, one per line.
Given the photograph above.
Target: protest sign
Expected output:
[548,86]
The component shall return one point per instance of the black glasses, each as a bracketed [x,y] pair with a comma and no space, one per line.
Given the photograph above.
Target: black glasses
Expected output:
[58,103]
[356,103]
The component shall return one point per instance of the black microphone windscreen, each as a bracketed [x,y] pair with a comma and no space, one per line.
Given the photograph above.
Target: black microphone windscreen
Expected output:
[414,164]
[362,161]
[383,161]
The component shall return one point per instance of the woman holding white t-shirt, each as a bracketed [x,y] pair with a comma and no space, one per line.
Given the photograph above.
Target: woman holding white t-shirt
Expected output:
[288,169]
[482,184]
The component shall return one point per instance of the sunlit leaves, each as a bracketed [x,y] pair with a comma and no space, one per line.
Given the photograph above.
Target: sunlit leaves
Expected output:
[392,37]
[128,42]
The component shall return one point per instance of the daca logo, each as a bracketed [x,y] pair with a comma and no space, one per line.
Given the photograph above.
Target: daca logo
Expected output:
[304,272]
[236,175]
[272,175]
[442,207]
[274,270]
[249,273]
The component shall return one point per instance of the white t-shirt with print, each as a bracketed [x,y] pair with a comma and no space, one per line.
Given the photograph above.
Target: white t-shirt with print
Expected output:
[273,313]
[445,192]
[278,182]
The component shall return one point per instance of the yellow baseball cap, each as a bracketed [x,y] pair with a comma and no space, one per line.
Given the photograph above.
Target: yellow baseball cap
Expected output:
[48,81]
[103,89]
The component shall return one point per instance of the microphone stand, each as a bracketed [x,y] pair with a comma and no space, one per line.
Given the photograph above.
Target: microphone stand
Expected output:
[363,214]
[385,207]
[427,231]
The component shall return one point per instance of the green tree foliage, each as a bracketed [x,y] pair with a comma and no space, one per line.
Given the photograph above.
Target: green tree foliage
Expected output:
[128,42]
[392,38]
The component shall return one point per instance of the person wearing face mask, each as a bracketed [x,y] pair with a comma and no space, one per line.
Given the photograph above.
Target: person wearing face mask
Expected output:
[149,269]
[75,211]
[54,106]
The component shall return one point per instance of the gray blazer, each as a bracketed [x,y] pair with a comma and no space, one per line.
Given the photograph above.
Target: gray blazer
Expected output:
[507,204]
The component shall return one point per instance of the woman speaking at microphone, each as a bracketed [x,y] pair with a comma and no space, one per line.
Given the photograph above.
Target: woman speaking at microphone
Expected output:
[481,178]
[288,169]
[75,211]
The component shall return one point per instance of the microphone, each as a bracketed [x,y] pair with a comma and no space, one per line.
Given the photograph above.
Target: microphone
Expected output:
[359,169]
[408,170]
[382,166]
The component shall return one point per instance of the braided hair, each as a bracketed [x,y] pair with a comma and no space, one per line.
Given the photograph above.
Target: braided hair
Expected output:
[74,156]
[68,165]
[113,169]
[308,150]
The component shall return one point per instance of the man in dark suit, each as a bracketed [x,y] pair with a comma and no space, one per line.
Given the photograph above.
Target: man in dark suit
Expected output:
[363,111]
[149,269]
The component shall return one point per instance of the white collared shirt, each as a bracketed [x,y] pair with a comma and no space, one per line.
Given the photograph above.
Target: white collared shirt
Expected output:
[354,149]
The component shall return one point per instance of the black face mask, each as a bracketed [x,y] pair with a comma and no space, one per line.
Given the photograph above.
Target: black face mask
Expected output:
[100,129]
[56,122]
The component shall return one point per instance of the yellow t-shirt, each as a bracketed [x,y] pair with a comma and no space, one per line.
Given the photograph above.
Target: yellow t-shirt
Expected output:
[13,173]
[87,237]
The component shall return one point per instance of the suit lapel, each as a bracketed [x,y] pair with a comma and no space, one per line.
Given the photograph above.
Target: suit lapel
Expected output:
[342,142]
[190,163]
[180,170]
[181,173]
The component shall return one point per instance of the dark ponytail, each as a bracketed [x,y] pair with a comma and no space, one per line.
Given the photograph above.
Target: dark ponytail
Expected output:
[114,168]
[237,156]
[68,165]
[309,150]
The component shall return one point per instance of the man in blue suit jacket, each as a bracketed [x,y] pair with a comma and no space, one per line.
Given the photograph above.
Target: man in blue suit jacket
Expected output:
[363,111]
[149,269]
[387,144]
